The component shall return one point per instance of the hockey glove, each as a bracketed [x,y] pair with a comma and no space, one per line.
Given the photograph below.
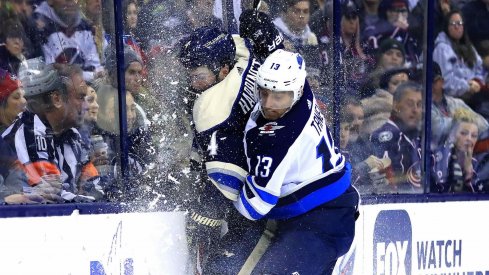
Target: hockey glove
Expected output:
[259,28]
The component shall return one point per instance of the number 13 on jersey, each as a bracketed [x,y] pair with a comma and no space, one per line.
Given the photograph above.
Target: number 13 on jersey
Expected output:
[263,165]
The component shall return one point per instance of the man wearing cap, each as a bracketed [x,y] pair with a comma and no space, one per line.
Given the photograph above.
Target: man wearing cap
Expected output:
[47,145]
[133,70]
[390,55]
[393,24]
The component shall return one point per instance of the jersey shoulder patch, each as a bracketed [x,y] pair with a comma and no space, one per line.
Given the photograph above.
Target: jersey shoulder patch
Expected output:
[385,136]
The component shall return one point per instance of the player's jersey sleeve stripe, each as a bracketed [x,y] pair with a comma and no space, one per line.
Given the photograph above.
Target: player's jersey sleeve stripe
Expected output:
[229,192]
[253,202]
[245,208]
[227,177]
[265,196]
[36,170]
[313,199]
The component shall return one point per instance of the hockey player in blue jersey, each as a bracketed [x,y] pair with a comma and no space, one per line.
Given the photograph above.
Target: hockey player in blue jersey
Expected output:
[221,69]
[298,182]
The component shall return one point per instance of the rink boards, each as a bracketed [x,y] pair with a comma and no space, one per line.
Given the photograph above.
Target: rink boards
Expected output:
[420,238]
[401,238]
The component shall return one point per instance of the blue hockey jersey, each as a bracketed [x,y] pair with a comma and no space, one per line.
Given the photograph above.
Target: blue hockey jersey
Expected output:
[404,174]
[220,115]
[293,163]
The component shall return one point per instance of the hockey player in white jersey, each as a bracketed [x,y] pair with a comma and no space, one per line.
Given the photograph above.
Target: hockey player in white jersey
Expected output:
[297,179]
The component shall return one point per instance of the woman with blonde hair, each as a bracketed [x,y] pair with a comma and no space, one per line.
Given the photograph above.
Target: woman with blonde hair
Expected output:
[457,155]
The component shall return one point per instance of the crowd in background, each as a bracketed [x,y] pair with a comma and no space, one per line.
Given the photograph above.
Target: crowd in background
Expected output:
[381,112]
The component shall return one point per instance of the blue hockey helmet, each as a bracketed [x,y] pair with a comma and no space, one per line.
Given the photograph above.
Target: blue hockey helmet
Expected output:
[209,47]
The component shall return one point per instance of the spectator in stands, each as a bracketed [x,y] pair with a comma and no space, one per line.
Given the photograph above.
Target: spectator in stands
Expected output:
[369,14]
[22,11]
[133,70]
[11,46]
[167,22]
[319,20]
[293,23]
[393,24]
[44,140]
[460,64]
[416,18]
[399,139]
[132,33]
[378,107]
[66,37]
[355,108]
[355,63]
[139,141]
[12,101]
[90,117]
[199,14]
[345,125]
[443,110]
[457,156]
[92,11]
[359,152]
[390,55]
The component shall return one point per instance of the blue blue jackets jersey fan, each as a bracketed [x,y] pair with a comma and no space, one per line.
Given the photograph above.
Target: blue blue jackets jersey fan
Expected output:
[448,174]
[220,115]
[293,163]
[405,153]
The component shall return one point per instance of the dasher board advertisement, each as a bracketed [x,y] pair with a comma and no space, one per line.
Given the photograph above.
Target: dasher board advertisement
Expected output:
[420,238]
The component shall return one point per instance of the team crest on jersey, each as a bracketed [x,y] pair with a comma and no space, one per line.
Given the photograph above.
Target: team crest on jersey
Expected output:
[414,174]
[269,128]
[385,136]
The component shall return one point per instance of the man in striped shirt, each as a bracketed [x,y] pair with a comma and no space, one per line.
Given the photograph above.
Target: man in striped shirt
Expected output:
[45,139]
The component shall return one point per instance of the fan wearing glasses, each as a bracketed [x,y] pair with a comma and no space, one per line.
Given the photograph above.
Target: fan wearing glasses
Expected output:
[460,64]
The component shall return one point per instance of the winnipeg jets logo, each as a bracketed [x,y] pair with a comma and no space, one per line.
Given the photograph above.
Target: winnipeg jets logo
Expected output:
[212,147]
[269,128]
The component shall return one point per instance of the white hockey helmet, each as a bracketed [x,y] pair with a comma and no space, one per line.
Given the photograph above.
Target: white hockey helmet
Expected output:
[282,71]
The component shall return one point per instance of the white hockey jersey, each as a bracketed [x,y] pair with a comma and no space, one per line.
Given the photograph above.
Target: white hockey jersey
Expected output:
[61,44]
[293,163]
